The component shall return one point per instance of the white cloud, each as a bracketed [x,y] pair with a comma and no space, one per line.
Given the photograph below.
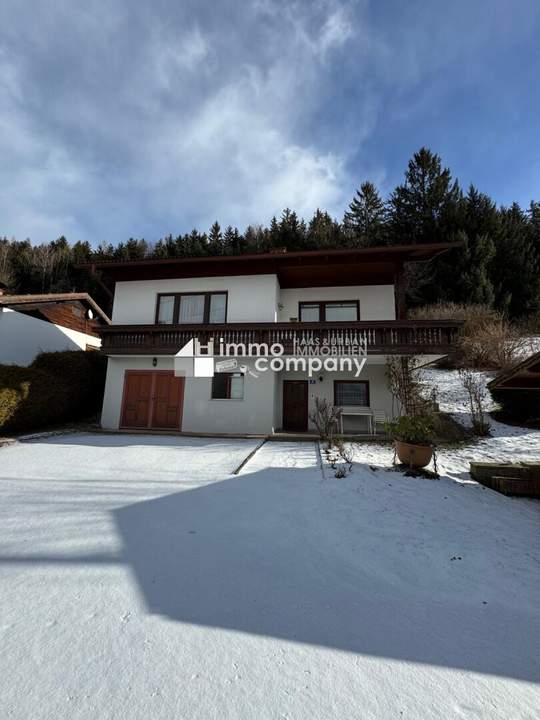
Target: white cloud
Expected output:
[174,55]
[171,124]
[236,158]
[336,31]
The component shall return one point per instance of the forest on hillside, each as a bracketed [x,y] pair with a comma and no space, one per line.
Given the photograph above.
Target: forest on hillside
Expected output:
[497,264]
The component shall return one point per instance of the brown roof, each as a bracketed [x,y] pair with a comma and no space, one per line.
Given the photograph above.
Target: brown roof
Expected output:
[29,303]
[348,266]
[523,376]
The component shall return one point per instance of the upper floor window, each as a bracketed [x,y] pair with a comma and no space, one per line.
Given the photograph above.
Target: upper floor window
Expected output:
[191,308]
[165,310]
[330,311]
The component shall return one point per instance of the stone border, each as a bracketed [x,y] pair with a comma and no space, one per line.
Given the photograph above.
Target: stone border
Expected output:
[248,458]
[49,433]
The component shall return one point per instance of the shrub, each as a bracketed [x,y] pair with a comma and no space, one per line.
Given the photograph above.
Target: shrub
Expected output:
[486,339]
[496,345]
[84,375]
[326,419]
[29,398]
[418,430]
[58,387]
[476,391]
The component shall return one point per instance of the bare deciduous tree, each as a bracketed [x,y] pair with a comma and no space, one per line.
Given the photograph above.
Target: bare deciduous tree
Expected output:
[326,419]
[476,391]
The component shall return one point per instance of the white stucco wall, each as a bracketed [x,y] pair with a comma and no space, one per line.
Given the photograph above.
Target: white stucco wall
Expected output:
[380,397]
[23,337]
[254,414]
[261,409]
[251,298]
[376,301]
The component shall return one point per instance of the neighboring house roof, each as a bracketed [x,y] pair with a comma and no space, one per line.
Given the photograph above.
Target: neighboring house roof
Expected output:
[348,266]
[69,310]
[524,376]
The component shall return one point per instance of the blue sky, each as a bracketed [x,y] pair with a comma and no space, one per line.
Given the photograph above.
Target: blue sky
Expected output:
[127,119]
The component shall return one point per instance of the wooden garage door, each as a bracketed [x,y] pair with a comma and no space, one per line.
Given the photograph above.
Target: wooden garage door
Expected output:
[137,399]
[167,401]
[152,399]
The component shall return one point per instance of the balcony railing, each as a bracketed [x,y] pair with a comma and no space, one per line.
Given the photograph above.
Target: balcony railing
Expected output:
[399,337]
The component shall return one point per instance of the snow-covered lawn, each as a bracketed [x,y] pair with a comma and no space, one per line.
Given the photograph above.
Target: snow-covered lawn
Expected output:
[140,580]
[508,443]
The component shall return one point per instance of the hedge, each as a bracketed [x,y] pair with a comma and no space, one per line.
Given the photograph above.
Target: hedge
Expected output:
[58,387]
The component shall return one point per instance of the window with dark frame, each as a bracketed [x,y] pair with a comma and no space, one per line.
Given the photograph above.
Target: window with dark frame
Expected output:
[351,392]
[191,308]
[165,310]
[228,386]
[329,311]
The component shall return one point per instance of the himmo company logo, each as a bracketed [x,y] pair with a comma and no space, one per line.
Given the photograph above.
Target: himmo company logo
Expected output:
[309,356]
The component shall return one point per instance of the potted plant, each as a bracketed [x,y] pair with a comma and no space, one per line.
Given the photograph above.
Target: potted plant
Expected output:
[412,439]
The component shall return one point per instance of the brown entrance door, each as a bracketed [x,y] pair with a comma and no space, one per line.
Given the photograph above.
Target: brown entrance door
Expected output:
[295,405]
[152,399]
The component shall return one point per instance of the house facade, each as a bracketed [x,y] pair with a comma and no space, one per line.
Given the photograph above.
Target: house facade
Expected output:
[335,299]
[31,324]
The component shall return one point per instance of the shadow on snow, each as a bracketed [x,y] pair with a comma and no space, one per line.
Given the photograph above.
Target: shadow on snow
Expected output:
[247,554]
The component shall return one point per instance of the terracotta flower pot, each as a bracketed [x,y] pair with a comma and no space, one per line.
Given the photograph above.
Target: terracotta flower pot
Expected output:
[415,456]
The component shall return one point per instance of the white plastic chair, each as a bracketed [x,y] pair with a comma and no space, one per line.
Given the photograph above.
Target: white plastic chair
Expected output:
[379,417]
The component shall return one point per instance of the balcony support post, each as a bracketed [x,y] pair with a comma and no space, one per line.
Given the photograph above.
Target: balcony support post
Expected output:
[399,290]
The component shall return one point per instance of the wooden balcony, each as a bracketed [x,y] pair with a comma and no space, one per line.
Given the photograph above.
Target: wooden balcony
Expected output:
[395,337]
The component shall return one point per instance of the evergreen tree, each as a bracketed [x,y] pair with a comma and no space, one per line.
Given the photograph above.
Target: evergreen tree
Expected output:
[165,248]
[232,241]
[464,275]
[137,249]
[425,208]
[364,222]
[215,240]
[498,261]
[323,232]
[256,239]
[292,231]
[105,251]
[81,252]
[274,233]
[479,214]
[516,271]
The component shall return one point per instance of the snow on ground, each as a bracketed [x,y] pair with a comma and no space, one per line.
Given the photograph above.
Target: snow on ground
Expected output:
[508,443]
[139,579]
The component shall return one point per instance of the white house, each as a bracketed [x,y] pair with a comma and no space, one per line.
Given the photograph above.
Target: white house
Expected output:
[30,324]
[331,298]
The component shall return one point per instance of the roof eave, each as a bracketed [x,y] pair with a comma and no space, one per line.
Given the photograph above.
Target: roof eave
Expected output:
[409,253]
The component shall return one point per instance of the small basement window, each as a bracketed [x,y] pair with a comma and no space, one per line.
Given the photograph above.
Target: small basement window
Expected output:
[228,386]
